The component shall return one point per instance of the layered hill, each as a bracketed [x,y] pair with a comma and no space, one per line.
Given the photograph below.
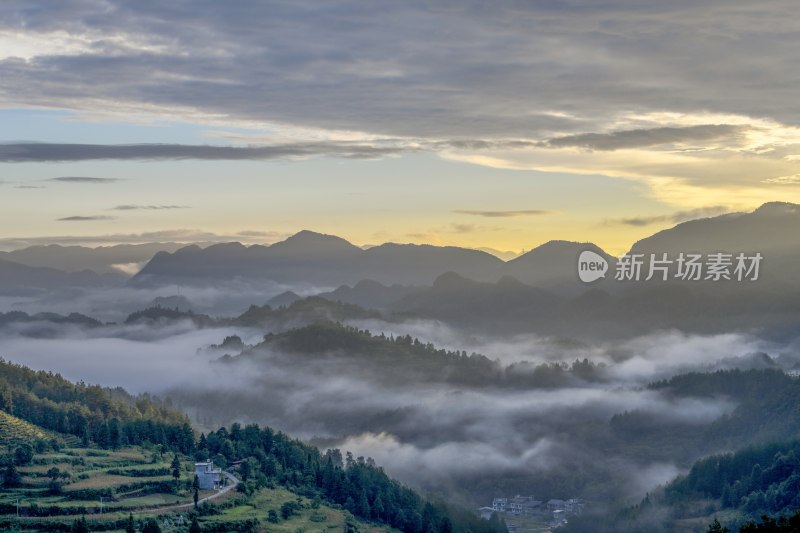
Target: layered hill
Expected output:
[117,259]
[17,279]
[326,260]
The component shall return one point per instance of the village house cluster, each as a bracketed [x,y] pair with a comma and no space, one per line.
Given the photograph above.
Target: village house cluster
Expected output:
[554,512]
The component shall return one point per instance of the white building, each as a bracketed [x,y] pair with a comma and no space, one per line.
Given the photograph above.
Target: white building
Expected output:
[499,505]
[523,505]
[210,478]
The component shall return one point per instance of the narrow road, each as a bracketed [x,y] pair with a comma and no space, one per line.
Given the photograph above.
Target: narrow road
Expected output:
[230,486]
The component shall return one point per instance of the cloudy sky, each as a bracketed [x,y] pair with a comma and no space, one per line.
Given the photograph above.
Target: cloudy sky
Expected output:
[501,124]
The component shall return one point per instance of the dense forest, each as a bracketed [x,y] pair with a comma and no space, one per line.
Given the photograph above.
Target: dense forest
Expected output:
[747,487]
[110,418]
[357,484]
[765,410]
[759,480]
[307,310]
[415,360]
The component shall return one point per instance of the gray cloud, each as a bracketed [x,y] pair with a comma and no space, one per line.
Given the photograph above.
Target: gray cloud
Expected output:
[40,152]
[413,68]
[174,235]
[130,207]
[675,218]
[641,138]
[503,214]
[79,218]
[256,233]
[63,179]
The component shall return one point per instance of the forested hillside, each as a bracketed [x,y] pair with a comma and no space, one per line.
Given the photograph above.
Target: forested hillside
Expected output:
[112,418]
[108,418]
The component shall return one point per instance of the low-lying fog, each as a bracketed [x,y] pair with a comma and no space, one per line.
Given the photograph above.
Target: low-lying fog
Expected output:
[431,435]
[114,304]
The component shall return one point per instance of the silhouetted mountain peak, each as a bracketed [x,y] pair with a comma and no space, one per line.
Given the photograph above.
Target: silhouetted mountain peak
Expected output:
[451,281]
[778,209]
[310,241]
[510,282]
[225,247]
[192,248]
[368,285]
[772,227]
[557,250]
[285,298]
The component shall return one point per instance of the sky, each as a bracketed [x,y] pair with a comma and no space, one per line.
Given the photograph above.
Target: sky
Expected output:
[500,125]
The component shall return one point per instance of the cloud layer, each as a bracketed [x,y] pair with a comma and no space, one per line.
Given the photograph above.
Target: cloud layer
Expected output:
[49,152]
[84,218]
[662,94]
[68,179]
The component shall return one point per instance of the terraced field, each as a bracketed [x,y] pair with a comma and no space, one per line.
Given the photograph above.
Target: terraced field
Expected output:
[14,431]
[89,480]
[107,486]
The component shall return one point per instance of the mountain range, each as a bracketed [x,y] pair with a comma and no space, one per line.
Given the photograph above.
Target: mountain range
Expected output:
[326,262]
[17,279]
[118,259]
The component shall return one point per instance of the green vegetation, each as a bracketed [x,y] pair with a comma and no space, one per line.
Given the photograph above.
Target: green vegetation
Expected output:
[762,478]
[12,317]
[356,484]
[766,411]
[15,431]
[416,361]
[54,486]
[130,488]
[308,310]
[109,418]
[126,465]
[158,314]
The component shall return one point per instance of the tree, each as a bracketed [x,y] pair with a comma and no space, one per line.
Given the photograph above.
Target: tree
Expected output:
[363,505]
[716,527]
[287,510]
[151,526]
[272,516]
[245,469]
[80,526]
[54,487]
[377,508]
[195,527]
[23,454]
[6,401]
[130,527]
[196,490]
[176,469]
[12,477]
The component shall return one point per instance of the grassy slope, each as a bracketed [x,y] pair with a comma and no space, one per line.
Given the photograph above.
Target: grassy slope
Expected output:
[14,431]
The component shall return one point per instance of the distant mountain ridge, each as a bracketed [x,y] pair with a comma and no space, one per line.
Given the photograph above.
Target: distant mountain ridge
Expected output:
[102,259]
[773,227]
[312,262]
[330,261]
[17,279]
